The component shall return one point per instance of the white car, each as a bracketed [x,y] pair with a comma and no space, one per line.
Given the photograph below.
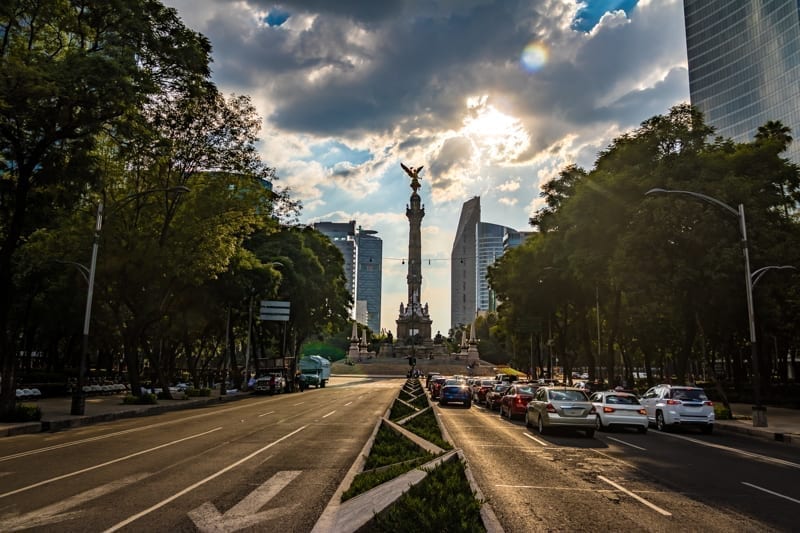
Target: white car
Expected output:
[619,409]
[679,405]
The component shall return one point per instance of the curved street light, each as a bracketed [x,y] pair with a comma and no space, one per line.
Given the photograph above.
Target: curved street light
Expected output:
[759,411]
[78,406]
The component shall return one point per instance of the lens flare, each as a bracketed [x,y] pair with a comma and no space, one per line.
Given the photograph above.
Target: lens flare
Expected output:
[534,57]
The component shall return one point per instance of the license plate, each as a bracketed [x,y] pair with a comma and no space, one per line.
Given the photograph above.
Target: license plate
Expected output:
[573,412]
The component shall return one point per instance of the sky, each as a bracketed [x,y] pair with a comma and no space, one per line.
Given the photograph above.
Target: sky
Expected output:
[492,97]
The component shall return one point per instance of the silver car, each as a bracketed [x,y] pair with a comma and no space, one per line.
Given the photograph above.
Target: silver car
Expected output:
[619,409]
[561,407]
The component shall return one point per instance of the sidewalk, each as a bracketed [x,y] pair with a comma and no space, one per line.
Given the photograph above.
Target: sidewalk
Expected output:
[56,411]
[783,424]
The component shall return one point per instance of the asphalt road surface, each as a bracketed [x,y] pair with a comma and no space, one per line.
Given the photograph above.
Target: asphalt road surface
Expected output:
[265,463]
[624,481]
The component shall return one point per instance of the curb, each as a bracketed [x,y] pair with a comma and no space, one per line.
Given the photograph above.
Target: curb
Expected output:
[790,439]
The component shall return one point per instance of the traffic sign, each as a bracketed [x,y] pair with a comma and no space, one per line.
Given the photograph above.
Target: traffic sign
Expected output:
[274,310]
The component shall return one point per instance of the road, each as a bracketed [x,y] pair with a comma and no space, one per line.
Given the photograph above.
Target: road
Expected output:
[262,463]
[624,481]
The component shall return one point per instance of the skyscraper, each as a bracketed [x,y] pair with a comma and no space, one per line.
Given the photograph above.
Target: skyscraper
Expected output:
[363,267]
[463,265]
[369,277]
[744,65]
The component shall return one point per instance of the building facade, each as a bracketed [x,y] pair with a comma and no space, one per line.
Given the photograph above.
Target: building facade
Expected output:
[463,265]
[369,274]
[744,65]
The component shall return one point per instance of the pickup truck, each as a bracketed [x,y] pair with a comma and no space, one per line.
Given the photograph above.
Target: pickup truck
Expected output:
[270,384]
[316,370]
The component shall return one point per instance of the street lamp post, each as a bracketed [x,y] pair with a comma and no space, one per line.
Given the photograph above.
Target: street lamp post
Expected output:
[759,411]
[78,405]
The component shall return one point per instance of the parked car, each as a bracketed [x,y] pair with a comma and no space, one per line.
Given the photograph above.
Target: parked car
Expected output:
[480,388]
[515,401]
[455,392]
[678,405]
[270,384]
[494,396]
[561,407]
[619,409]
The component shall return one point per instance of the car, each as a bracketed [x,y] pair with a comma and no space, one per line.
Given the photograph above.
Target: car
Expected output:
[561,407]
[617,409]
[495,395]
[454,391]
[515,400]
[670,406]
[480,388]
[270,384]
[436,385]
[429,377]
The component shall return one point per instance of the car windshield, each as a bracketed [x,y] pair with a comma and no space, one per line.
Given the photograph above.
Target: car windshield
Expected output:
[500,388]
[621,400]
[567,395]
[487,383]
[688,395]
[526,390]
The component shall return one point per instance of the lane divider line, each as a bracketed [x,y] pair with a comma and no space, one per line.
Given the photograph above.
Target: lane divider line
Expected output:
[101,465]
[190,488]
[636,497]
[627,444]
[770,492]
[752,455]
[265,414]
[543,443]
[329,414]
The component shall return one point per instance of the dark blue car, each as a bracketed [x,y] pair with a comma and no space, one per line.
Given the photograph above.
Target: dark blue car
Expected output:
[460,393]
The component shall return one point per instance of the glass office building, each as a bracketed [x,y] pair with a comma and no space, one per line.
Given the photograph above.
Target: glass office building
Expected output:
[369,278]
[744,65]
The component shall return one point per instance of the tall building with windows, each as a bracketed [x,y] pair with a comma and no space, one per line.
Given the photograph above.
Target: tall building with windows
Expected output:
[369,278]
[476,246]
[363,266]
[463,265]
[744,65]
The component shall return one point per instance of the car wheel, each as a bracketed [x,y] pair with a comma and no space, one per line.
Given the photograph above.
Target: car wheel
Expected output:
[642,429]
[528,421]
[541,426]
[442,403]
[589,433]
[660,425]
[707,429]
[468,404]
[598,423]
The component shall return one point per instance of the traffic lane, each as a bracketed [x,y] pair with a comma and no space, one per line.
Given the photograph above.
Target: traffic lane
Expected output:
[170,472]
[567,481]
[753,478]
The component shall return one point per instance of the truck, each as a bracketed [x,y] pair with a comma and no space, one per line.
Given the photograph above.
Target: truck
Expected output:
[316,370]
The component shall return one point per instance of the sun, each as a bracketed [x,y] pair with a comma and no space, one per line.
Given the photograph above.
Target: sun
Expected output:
[496,135]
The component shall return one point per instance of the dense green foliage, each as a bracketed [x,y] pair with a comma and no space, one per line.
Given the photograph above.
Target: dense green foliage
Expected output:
[426,426]
[443,501]
[665,271]
[390,448]
[113,135]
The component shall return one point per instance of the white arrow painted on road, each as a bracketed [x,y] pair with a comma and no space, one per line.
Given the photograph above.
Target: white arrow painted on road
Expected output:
[244,514]
[58,511]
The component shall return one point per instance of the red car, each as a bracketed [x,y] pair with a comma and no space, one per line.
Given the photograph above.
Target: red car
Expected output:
[494,396]
[480,388]
[515,401]
[436,386]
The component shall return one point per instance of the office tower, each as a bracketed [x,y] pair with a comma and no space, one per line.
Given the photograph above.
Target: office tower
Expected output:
[343,236]
[744,65]
[368,276]
[463,265]
[490,244]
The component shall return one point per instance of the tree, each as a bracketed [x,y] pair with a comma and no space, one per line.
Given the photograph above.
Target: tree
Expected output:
[71,70]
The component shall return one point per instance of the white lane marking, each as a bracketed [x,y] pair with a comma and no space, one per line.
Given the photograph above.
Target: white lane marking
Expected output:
[627,444]
[101,465]
[265,414]
[329,414]
[123,432]
[635,497]
[770,492]
[348,403]
[301,403]
[576,489]
[57,512]
[752,455]
[190,488]
[543,443]
[244,514]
